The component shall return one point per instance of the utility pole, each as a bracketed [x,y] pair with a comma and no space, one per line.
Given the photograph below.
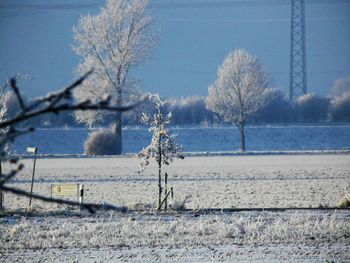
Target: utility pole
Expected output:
[298,84]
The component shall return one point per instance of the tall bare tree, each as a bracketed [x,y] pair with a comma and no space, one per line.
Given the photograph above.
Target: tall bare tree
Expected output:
[239,89]
[112,42]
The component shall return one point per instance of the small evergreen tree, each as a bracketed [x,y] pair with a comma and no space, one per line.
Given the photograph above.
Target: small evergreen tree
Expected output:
[163,148]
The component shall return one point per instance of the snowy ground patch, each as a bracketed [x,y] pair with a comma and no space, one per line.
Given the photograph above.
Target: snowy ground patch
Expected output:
[211,182]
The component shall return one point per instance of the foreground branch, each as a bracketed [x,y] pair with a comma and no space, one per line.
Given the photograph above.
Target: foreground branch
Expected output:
[91,207]
[52,103]
[86,105]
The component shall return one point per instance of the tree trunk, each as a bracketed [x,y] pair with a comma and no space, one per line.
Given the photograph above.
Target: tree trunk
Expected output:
[242,136]
[159,172]
[166,191]
[118,119]
[118,132]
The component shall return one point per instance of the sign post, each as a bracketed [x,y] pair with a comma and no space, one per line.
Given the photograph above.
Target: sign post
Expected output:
[33,150]
[81,195]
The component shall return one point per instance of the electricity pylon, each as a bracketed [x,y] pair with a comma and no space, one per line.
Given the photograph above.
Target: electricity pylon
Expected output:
[297,50]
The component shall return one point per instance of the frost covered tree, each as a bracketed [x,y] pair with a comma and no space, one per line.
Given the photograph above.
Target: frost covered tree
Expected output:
[112,43]
[163,148]
[340,107]
[239,90]
[190,110]
[340,86]
[312,107]
[278,109]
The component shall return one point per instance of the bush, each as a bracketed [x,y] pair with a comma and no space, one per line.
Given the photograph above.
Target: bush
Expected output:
[101,142]
[179,205]
[345,202]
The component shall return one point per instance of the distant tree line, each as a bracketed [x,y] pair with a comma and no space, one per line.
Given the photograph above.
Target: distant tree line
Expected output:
[192,110]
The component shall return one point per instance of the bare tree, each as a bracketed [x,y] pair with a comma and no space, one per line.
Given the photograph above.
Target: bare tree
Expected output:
[239,89]
[53,103]
[112,42]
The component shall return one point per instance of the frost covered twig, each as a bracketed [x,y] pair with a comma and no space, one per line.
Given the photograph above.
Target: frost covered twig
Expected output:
[58,102]
[52,103]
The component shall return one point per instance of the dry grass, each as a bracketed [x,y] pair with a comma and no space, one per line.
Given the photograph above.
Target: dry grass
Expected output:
[172,231]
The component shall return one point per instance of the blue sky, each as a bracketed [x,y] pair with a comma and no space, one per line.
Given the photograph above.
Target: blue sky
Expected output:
[194,37]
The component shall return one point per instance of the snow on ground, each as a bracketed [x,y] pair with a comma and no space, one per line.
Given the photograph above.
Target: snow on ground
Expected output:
[211,182]
[208,182]
[185,237]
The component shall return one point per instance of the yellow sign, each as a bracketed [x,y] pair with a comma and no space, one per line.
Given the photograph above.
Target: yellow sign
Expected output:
[65,189]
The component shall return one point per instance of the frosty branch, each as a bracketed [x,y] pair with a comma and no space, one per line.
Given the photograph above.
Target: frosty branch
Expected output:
[53,103]
[59,102]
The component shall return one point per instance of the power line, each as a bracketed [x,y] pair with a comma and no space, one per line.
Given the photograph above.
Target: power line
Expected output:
[267,20]
[237,3]
[12,6]
[170,5]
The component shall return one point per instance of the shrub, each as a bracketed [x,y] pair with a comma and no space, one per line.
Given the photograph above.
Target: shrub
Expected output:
[179,205]
[101,142]
[345,202]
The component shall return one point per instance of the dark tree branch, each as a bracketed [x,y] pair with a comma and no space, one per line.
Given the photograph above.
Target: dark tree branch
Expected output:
[9,176]
[85,105]
[52,103]
[91,207]
[15,89]
[53,99]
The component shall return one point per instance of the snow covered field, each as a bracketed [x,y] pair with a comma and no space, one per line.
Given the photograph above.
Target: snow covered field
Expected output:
[186,237]
[206,182]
